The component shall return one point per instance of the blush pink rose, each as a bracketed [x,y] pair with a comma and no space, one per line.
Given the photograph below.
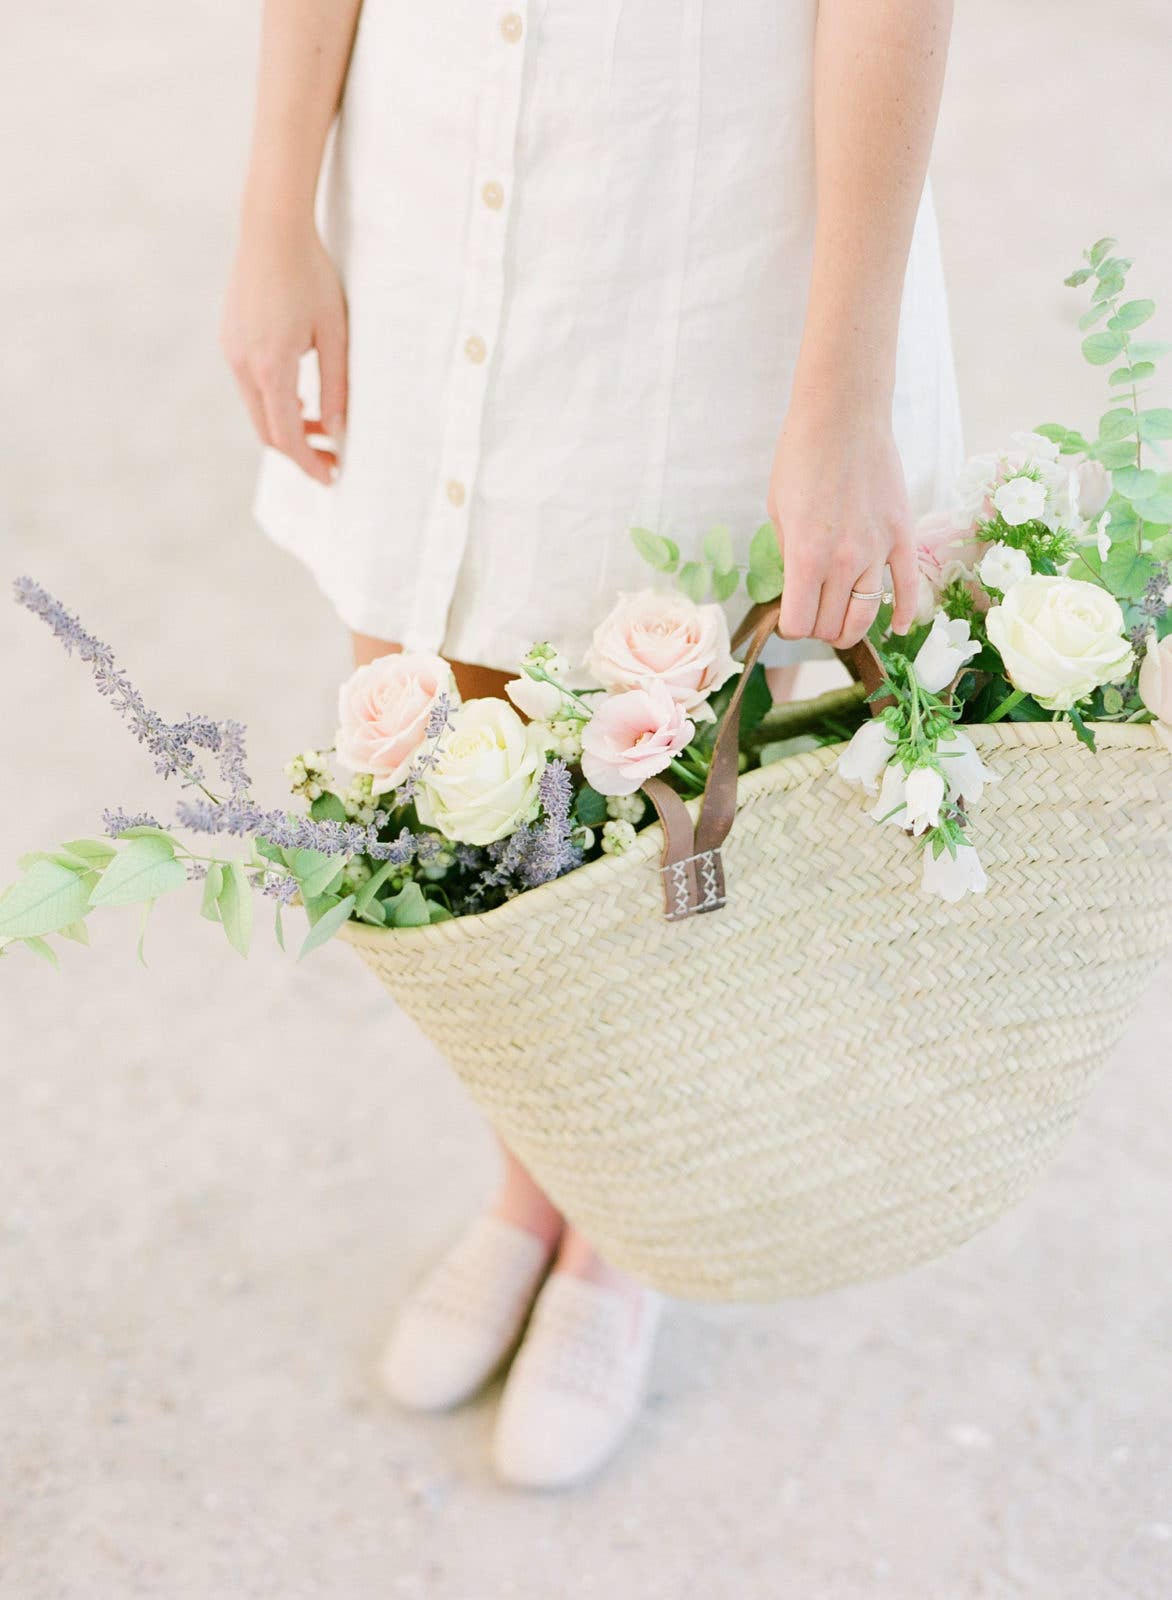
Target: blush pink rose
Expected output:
[632,736]
[657,636]
[383,712]
[945,551]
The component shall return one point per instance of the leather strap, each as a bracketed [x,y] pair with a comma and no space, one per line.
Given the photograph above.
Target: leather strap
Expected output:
[693,873]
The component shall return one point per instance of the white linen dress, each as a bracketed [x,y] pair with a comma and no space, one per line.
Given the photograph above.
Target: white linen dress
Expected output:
[575,240]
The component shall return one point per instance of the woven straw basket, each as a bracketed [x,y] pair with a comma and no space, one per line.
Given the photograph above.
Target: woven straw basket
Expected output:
[833,1078]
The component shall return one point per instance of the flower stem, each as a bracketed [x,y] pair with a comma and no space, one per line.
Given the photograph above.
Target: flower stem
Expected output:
[686,775]
[1007,705]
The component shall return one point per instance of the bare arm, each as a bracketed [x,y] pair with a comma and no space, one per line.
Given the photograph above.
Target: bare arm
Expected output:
[837,494]
[284,296]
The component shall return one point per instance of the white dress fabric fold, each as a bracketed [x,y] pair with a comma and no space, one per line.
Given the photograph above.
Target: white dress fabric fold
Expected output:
[575,241]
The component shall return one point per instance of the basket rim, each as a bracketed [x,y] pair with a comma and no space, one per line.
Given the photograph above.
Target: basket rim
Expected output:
[776,778]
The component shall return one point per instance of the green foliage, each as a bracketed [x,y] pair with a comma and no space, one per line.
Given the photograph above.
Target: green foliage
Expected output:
[327,925]
[234,903]
[657,551]
[143,870]
[589,807]
[328,807]
[766,574]
[46,898]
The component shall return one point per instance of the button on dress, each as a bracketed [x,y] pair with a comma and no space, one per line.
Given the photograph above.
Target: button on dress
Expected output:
[575,241]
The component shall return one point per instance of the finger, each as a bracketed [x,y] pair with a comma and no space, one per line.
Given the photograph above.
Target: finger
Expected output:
[860,614]
[283,413]
[319,439]
[800,596]
[332,364]
[905,580]
[252,400]
[836,595]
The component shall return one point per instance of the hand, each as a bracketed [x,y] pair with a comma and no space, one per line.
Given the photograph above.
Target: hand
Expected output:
[839,503]
[284,298]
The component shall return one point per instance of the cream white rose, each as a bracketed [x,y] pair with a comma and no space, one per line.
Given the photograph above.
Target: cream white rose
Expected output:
[484,783]
[1059,639]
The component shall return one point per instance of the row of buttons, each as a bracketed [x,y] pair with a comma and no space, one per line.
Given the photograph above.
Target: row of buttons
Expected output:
[492,195]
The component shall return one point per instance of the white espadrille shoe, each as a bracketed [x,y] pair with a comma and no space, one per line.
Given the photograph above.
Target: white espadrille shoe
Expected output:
[576,1385]
[465,1317]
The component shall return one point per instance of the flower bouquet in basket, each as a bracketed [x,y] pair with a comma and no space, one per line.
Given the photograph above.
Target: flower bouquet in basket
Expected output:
[838,1075]
[1045,596]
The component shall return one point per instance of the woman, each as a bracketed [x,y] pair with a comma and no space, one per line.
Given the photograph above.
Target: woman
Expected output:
[583,267]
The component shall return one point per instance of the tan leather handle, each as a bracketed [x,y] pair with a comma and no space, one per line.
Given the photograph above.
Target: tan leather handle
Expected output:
[690,862]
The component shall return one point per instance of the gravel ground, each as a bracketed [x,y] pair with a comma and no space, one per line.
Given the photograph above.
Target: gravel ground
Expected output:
[217,1180]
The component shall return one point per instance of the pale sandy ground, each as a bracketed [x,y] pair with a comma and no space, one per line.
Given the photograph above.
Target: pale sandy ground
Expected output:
[219,1179]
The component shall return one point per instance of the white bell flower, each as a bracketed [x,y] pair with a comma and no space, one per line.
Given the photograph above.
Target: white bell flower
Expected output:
[923,793]
[965,773]
[946,649]
[952,877]
[863,760]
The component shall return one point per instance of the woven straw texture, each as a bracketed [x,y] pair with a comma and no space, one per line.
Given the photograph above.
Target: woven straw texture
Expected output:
[833,1078]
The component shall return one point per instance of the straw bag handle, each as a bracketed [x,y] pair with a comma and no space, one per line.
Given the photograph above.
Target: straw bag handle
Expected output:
[693,872]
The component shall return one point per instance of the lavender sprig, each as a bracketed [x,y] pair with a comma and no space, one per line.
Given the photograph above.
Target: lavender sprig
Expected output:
[116,823]
[438,721]
[173,744]
[540,851]
[243,818]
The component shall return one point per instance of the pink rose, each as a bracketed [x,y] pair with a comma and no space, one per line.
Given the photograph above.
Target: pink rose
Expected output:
[632,736]
[383,709]
[663,637]
[945,552]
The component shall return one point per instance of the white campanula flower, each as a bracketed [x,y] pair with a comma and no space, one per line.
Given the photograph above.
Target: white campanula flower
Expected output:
[891,805]
[1094,488]
[537,699]
[946,649]
[617,836]
[1002,565]
[923,793]
[866,756]
[1059,639]
[964,772]
[484,781]
[1021,500]
[952,877]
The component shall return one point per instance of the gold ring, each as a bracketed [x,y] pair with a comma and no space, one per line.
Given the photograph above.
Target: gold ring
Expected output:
[872,594]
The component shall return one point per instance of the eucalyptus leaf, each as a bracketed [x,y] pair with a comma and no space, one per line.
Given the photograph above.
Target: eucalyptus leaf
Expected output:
[725,585]
[46,898]
[327,925]
[718,550]
[314,871]
[328,808]
[1102,347]
[1119,454]
[1117,424]
[41,948]
[235,906]
[1149,350]
[1139,373]
[766,573]
[1155,424]
[408,908]
[1098,252]
[695,579]
[1095,314]
[1126,572]
[143,869]
[657,551]
[590,807]
[1132,315]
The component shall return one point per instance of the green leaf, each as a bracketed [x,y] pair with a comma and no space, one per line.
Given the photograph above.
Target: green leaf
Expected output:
[46,898]
[695,579]
[374,913]
[756,700]
[1102,347]
[1095,314]
[590,807]
[328,808]
[658,552]
[1119,454]
[1099,250]
[327,925]
[77,931]
[1077,278]
[1085,733]
[373,884]
[1136,484]
[314,871]
[40,948]
[718,550]
[1133,314]
[1110,284]
[1117,424]
[143,869]
[63,858]
[146,831]
[319,905]
[766,573]
[96,851]
[1155,424]
[1139,373]
[1150,350]
[142,928]
[279,926]
[408,908]
[235,906]
[271,852]
[212,885]
[1126,572]
[438,912]
[725,584]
